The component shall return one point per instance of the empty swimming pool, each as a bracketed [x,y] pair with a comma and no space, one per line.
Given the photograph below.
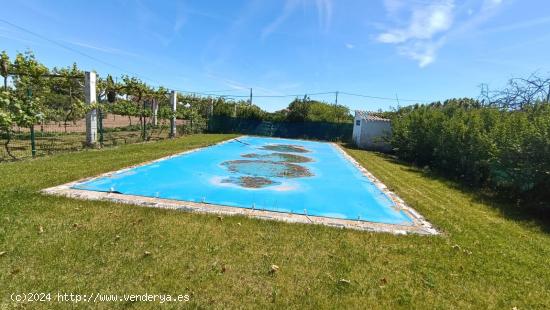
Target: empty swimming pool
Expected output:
[296,177]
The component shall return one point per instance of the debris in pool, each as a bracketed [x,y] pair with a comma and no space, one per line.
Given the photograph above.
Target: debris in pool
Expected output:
[250,182]
[285,148]
[266,168]
[283,157]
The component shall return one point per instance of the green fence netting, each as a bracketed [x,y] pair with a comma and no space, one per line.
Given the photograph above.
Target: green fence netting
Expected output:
[303,130]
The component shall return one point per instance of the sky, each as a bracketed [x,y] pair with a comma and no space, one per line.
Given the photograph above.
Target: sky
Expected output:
[401,51]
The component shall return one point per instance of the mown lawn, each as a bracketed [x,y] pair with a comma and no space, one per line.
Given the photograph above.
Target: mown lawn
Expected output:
[484,259]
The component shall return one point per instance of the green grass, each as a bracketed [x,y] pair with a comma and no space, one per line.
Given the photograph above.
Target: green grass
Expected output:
[485,258]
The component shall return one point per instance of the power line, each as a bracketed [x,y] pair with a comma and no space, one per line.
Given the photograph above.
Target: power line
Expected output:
[74,50]
[337,93]
[211,93]
[381,98]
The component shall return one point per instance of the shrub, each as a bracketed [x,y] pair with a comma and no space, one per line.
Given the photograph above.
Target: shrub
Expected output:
[506,150]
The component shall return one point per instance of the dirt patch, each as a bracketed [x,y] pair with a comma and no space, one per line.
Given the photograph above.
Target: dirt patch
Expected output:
[285,148]
[282,157]
[268,169]
[251,182]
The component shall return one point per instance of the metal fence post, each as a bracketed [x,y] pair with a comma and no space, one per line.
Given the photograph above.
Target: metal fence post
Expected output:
[90,99]
[173,104]
[100,126]
[143,122]
[33,142]
[33,138]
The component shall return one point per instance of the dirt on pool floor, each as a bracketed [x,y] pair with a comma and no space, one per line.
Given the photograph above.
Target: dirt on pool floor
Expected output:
[250,182]
[285,148]
[266,168]
[281,157]
[259,169]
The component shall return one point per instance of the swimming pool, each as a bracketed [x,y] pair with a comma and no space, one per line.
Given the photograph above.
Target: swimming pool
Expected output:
[295,177]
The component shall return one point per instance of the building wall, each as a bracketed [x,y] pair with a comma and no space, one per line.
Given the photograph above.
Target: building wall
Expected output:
[372,135]
[357,122]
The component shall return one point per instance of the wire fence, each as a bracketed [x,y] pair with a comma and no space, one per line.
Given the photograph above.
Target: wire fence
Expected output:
[51,137]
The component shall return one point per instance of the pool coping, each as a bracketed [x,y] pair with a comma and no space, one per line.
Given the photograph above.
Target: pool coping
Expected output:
[420,224]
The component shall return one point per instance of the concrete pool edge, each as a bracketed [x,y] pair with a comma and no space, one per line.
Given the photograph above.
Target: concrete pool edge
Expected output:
[419,226]
[400,204]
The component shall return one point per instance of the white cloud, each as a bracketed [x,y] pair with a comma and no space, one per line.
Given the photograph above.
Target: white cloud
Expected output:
[393,6]
[290,6]
[102,48]
[430,24]
[424,52]
[422,36]
[324,15]
[425,22]
[350,46]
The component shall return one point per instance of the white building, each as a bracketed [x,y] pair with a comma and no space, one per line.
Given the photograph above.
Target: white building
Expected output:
[371,132]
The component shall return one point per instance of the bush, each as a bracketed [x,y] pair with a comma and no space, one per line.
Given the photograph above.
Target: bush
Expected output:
[506,150]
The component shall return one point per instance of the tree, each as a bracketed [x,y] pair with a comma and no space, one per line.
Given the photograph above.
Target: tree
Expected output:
[521,93]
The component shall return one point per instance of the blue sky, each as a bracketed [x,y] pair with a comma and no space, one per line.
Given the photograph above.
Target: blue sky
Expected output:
[416,49]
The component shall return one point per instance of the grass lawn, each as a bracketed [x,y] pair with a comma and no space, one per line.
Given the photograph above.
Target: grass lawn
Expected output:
[486,258]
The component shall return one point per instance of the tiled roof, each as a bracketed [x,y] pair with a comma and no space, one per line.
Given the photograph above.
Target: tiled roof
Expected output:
[371,116]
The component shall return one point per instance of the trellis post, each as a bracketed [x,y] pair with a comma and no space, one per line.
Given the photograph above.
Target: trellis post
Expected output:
[173,104]
[90,99]
[155,108]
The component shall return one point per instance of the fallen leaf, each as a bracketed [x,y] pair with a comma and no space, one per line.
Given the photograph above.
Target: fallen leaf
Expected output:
[146,253]
[40,229]
[344,281]
[274,269]
[2,253]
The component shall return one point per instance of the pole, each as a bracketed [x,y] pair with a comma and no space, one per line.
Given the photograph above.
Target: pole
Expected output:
[210,114]
[173,104]
[155,108]
[90,99]
[143,123]
[251,96]
[100,126]
[336,100]
[33,140]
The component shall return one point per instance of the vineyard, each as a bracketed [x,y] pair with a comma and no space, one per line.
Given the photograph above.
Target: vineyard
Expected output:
[42,110]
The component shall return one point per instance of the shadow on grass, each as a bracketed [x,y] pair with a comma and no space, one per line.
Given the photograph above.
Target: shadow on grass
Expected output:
[534,211]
